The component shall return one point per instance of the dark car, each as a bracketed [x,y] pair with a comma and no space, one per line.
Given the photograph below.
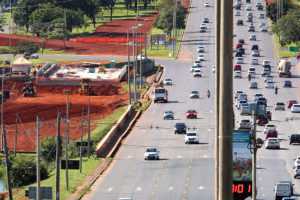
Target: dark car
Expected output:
[267,67]
[250,19]
[191,114]
[262,121]
[242,50]
[298,56]
[271,133]
[260,7]
[238,54]
[180,127]
[254,47]
[287,83]
[294,138]
[291,102]
[240,22]
[248,1]
[261,101]
[242,41]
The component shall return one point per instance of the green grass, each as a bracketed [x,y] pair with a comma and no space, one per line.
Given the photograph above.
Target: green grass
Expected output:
[75,177]
[43,61]
[282,53]
[163,51]
[5,50]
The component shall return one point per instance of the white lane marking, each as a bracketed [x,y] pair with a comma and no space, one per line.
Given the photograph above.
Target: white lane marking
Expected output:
[138,189]
[258,171]
[129,157]
[205,156]
[261,188]
[263,195]
[200,188]
[171,188]
[211,111]
[260,179]
[109,189]
[157,178]
[179,156]
[209,129]
[258,166]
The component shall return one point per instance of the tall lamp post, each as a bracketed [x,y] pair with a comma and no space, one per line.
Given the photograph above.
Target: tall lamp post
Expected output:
[134,63]
[141,77]
[128,68]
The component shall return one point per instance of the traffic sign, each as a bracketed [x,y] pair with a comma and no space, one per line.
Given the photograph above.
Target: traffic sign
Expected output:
[46,193]
[295,49]
[72,164]
[84,144]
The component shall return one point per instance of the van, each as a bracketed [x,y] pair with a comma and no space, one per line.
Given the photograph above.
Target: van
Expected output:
[282,190]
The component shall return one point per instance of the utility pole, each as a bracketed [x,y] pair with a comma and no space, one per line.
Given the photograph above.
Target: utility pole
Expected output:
[134,65]
[16,135]
[65,27]
[67,137]
[225,103]
[145,43]
[9,27]
[58,142]
[141,73]
[81,140]
[217,92]
[254,156]
[174,26]
[89,129]
[2,111]
[38,173]
[128,68]
[8,165]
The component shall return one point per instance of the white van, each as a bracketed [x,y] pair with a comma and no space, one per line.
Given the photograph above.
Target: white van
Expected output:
[282,190]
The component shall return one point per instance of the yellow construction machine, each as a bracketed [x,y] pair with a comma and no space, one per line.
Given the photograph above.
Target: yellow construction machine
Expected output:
[85,88]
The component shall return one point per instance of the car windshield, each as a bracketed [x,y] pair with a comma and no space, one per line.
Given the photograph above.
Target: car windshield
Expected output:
[245,121]
[180,125]
[272,140]
[151,150]
[296,106]
[191,134]
[191,111]
[167,79]
[270,125]
[168,111]
[295,136]
[160,90]
[194,92]
[279,103]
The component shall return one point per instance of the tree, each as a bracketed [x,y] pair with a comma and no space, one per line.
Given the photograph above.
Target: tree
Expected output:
[48,148]
[285,28]
[108,4]
[272,9]
[25,46]
[91,8]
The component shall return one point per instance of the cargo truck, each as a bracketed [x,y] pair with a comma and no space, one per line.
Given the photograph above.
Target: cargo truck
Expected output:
[284,68]
[160,95]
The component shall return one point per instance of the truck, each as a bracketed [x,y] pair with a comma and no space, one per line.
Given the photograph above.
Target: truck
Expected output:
[284,68]
[160,95]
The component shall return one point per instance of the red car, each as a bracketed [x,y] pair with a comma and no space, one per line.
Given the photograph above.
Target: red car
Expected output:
[191,114]
[237,67]
[239,45]
[262,121]
[291,102]
[298,56]
[271,134]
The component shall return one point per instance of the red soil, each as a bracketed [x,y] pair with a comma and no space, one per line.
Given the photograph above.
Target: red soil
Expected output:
[50,99]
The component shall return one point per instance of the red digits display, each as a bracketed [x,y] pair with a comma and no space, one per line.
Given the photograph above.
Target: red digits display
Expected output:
[241,189]
[249,188]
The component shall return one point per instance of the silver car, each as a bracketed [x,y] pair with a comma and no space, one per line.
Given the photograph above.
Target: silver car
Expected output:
[272,143]
[168,114]
[194,95]
[254,61]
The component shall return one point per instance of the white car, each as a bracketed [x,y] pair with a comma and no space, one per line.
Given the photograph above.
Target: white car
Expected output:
[203,29]
[248,8]
[269,84]
[237,13]
[261,24]
[295,108]
[245,110]
[200,49]
[255,53]
[168,114]
[201,57]
[207,4]
[269,127]
[297,161]
[237,74]
[151,153]
[268,78]
[261,16]
[256,96]
[141,56]
[254,61]
[280,106]
[252,38]
[239,60]
[264,29]
[197,63]
[191,137]
[197,73]
[194,67]
[241,103]
[168,81]
[213,70]
[194,94]
[266,62]
[272,143]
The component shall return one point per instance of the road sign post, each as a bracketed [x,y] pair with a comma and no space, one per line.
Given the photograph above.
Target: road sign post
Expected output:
[46,193]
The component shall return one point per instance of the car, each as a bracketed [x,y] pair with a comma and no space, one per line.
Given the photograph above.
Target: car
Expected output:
[141,56]
[282,190]
[260,7]
[261,24]
[297,161]
[244,124]
[265,72]
[269,84]
[239,54]
[248,8]
[296,171]
[200,49]
[269,127]
[280,106]
[257,4]
[291,102]
[254,61]
[294,138]
[251,28]
[268,78]
[250,19]
[194,94]
[243,97]
[298,56]
[264,29]
[261,16]
[180,127]
[197,63]
[248,1]
[242,41]
[237,74]
[237,67]
[191,114]
[287,83]
[207,4]
[201,57]
[197,73]
[245,110]
[29,55]
[262,101]
[205,20]
[237,93]
[291,186]
[191,137]
[213,70]
[271,133]
[265,62]
[151,153]
[239,103]
[240,22]
[295,108]
[253,85]
[252,38]
[251,70]
[168,81]
[237,13]
[239,60]
[242,50]
[256,96]
[239,45]
[267,67]
[261,121]
[251,74]
[254,47]
[250,14]
[203,29]
[168,114]
[272,143]
[255,53]
[194,67]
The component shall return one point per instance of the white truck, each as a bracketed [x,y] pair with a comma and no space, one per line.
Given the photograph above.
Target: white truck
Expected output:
[160,95]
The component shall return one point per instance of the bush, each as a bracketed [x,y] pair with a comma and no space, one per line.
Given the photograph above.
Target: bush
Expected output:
[48,148]
[23,171]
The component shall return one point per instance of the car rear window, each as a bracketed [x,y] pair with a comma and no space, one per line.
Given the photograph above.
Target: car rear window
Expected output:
[296,106]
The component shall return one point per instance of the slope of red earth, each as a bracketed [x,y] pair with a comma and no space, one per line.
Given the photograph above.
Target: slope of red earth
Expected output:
[49,100]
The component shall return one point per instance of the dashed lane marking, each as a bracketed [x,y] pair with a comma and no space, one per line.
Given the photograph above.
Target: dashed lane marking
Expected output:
[200,188]
[109,189]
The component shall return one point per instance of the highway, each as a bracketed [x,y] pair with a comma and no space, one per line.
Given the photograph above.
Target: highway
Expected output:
[184,171]
[273,165]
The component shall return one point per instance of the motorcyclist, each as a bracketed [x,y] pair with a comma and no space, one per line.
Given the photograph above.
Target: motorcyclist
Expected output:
[276,90]
[208,93]
[249,77]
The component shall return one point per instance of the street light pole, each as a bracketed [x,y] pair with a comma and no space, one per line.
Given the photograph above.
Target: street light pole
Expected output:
[2,111]
[67,137]
[174,25]
[141,73]
[128,68]
[134,64]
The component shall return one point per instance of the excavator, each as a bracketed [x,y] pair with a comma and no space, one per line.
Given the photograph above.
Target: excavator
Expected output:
[85,88]
[29,90]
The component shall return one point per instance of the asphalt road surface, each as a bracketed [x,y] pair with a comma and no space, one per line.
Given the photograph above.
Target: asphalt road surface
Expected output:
[272,165]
